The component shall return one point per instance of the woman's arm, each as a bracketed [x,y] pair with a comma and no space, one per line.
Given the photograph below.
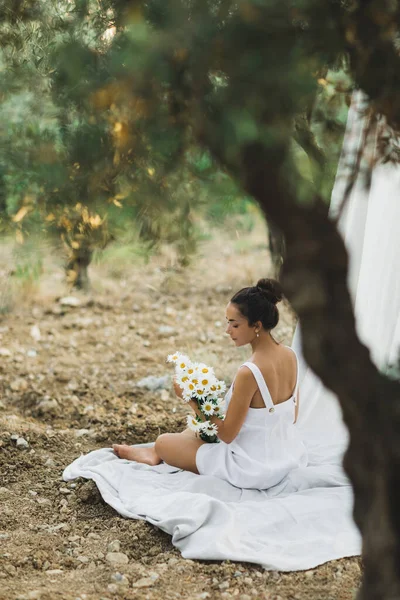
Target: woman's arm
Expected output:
[243,392]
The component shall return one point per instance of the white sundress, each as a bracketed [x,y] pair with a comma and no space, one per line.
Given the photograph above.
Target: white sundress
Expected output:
[267,447]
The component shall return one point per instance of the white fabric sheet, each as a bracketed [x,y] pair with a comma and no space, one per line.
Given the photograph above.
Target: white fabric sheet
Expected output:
[305,520]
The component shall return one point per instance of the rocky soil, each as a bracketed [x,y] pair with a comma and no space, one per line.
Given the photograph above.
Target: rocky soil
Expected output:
[70,365]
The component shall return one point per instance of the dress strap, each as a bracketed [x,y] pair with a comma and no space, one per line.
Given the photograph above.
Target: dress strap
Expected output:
[297,374]
[266,396]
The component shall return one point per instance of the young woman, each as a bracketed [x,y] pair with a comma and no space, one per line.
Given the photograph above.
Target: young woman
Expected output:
[259,443]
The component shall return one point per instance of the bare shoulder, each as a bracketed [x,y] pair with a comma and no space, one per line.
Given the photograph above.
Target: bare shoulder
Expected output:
[244,376]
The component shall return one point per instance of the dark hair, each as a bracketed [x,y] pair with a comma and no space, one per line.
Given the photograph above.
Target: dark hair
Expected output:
[258,302]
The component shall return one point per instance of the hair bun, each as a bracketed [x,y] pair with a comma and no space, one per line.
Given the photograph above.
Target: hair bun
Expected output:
[271,288]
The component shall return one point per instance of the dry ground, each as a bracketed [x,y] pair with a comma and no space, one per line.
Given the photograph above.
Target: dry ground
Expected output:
[73,390]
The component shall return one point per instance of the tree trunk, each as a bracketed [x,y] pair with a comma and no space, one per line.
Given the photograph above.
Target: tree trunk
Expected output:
[77,267]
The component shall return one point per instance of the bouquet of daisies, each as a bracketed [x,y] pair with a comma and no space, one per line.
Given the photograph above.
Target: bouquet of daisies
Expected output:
[199,383]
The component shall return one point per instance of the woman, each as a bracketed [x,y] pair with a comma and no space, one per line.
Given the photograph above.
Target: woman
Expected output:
[259,443]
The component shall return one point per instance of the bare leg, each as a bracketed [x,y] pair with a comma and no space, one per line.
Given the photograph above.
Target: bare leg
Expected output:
[148,456]
[190,433]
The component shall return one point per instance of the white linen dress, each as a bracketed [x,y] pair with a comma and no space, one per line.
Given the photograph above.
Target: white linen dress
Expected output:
[267,447]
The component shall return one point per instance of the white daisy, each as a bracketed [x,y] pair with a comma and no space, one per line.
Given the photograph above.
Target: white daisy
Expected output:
[192,423]
[200,393]
[190,370]
[181,379]
[221,387]
[203,369]
[189,387]
[221,403]
[174,357]
[183,363]
[207,407]
[208,428]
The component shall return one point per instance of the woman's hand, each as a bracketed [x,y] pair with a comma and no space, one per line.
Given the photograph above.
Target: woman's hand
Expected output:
[178,390]
[195,407]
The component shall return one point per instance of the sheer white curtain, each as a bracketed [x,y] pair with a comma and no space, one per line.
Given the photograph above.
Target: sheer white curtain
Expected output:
[370,226]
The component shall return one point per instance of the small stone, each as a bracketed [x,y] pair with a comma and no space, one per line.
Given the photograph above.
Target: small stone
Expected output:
[81,432]
[43,501]
[35,333]
[244,597]
[238,574]
[120,579]
[69,301]
[83,559]
[226,595]
[54,572]
[203,595]
[31,353]
[22,444]
[143,583]
[112,588]
[10,569]
[248,581]
[64,490]
[173,561]
[4,490]
[94,536]
[114,546]
[19,385]
[164,395]
[48,406]
[50,463]
[117,558]
[166,330]
[224,585]
[4,536]
[5,352]
[309,574]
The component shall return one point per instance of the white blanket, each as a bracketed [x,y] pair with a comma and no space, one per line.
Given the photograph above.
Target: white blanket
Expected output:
[300,523]
[306,519]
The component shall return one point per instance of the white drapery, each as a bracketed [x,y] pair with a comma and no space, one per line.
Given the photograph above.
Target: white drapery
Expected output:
[370,226]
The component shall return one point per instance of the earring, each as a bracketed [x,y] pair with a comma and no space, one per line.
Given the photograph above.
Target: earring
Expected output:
[258,335]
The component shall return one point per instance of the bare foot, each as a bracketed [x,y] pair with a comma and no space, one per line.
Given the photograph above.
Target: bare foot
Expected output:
[148,456]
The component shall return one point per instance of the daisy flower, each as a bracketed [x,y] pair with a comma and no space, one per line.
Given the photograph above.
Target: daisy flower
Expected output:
[208,428]
[221,387]
[203,369]
[192,423]
[174,357]
[181,379]
[183,363]
[219,408]
[208,408]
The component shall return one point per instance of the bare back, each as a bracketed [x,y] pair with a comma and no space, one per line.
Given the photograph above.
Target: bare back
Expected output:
[279,369]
